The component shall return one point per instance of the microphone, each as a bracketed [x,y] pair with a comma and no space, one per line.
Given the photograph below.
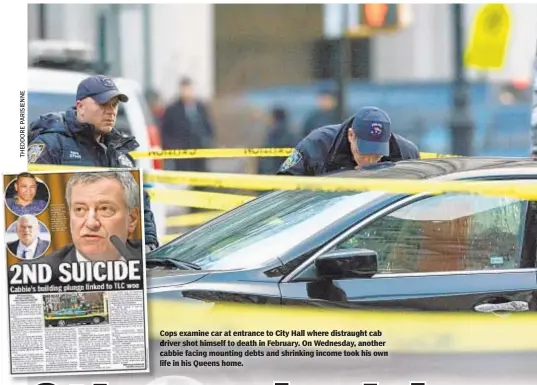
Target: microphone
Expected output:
[121,248]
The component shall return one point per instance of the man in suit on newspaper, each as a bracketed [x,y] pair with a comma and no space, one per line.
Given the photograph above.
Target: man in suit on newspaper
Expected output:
[29,245]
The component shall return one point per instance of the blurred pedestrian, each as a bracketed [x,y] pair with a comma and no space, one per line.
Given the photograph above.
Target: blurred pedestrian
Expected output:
[362,140]
[279,135]
[325,113]
[156,105]
[186,124]
[84,135]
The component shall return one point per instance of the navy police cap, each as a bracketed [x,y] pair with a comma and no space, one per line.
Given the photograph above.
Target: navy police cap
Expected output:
[372,127]
[100,88]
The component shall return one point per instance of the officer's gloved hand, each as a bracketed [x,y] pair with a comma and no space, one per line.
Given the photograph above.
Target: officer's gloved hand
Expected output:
[149,248]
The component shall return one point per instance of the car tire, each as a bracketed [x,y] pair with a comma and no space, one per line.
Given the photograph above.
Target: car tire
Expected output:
[96,320]
[61,323]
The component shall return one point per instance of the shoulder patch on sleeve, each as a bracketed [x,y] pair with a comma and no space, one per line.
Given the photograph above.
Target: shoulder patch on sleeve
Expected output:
[293,159]
[125,161]
[34,151]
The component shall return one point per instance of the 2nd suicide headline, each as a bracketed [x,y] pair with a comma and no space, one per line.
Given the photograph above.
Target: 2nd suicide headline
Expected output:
[76,276]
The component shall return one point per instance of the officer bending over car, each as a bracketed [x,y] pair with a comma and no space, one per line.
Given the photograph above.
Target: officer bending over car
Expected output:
[84,135]
[362,140]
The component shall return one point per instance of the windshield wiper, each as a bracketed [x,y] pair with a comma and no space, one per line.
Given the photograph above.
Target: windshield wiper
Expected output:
[173,263]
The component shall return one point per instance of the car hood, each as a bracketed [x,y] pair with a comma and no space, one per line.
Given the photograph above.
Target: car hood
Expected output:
[164,277]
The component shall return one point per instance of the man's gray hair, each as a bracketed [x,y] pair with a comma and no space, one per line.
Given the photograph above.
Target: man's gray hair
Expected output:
[125,178]
[29,218]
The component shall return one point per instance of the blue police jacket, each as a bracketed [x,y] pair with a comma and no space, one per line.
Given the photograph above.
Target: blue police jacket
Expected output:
[58,138]
[326,150]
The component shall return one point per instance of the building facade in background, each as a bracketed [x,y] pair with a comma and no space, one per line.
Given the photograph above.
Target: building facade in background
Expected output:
[230,48]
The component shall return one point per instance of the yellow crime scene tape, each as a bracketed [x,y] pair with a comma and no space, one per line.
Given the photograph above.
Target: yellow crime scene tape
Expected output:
[233,153]
[427,332]
[163,239]
[218,201]
[523,190]
[433,155]
[402,332]
[200,199]
[212,153]
[223,202]
[192,219]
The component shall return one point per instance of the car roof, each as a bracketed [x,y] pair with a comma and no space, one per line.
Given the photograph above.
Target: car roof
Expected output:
[57,81]
[445,168]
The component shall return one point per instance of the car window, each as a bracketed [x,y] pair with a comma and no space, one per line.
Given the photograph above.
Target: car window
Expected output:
[263,229]
[40,103]
[451,232]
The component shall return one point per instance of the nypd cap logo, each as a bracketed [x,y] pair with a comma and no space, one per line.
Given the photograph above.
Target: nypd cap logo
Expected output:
[107,82]
[376,129]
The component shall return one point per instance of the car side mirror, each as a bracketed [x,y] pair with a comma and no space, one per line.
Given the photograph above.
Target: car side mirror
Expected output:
[349,263]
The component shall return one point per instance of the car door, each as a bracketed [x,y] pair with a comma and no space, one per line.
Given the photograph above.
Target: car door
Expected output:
[445,252]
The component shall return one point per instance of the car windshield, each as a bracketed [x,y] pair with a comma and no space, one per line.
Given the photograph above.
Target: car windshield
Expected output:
[40,103]
[263,229]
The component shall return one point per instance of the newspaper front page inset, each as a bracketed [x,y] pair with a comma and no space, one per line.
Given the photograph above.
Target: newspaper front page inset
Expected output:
[76,273]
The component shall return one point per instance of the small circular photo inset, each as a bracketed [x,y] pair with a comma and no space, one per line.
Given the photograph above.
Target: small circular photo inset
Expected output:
[27,238]
[27,194]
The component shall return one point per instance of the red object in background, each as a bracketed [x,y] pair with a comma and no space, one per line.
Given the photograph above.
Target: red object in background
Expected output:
[376,14]
[521,83]
[156,145]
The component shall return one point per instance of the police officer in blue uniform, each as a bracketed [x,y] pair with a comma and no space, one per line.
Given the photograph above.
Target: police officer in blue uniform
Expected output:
[84,135]
[363,140]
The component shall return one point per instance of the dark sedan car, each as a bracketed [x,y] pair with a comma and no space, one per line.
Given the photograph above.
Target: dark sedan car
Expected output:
[367,250]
